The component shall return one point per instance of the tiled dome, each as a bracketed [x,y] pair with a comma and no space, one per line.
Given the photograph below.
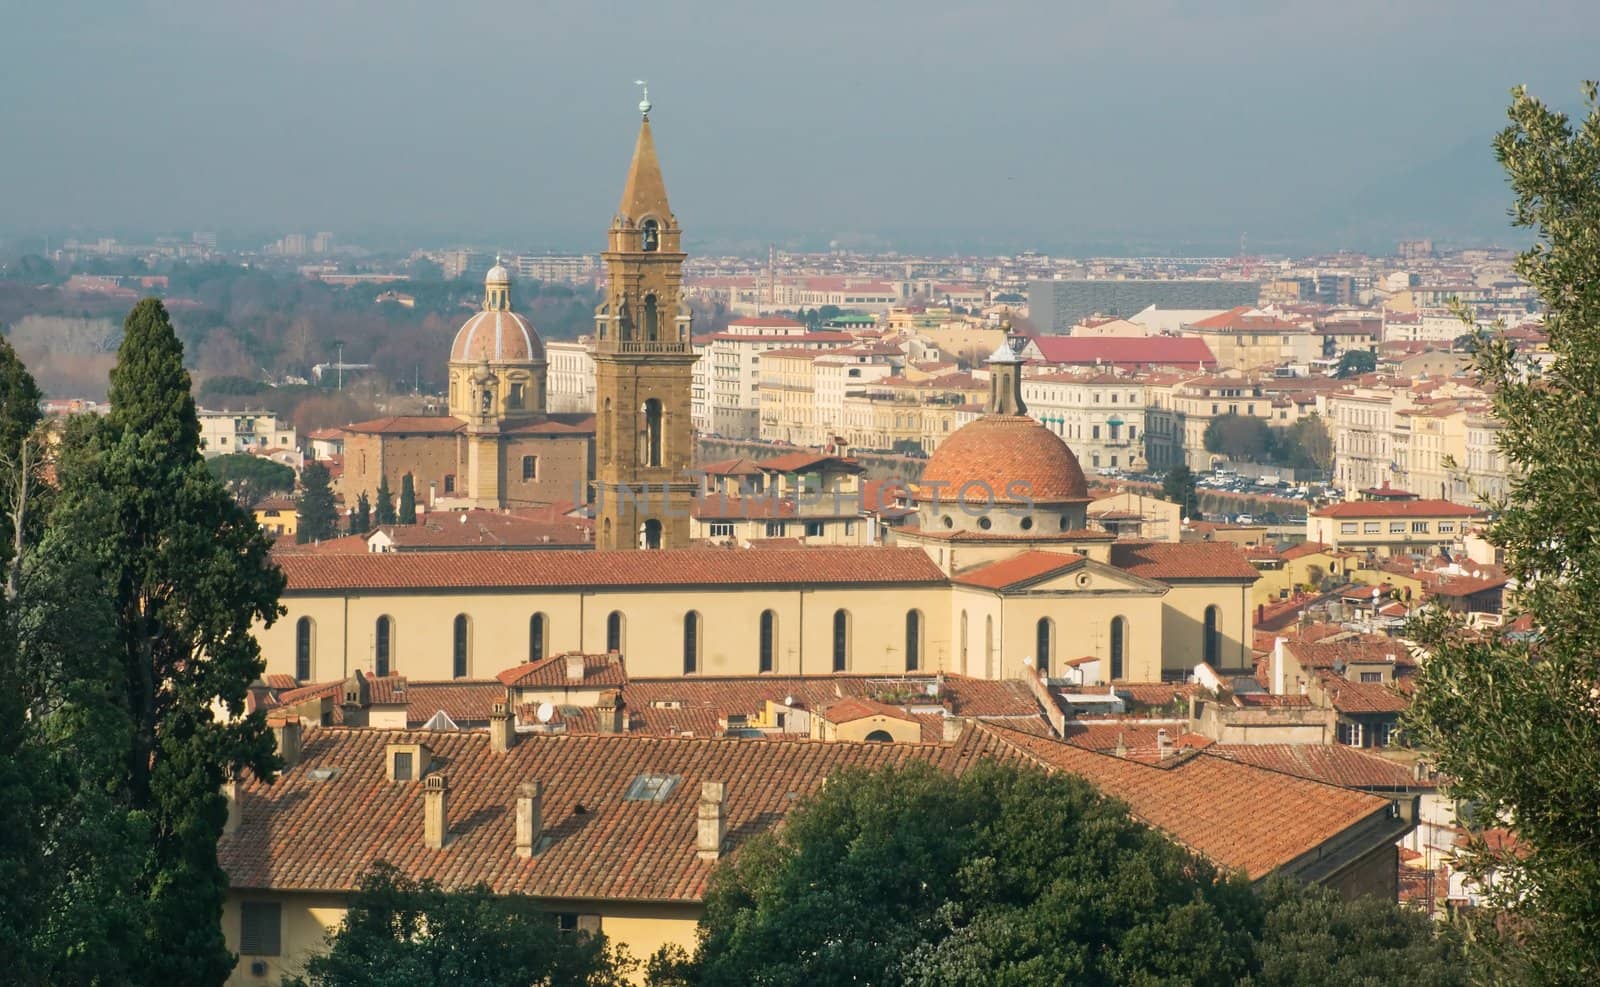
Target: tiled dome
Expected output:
[497,336]
[1005,452]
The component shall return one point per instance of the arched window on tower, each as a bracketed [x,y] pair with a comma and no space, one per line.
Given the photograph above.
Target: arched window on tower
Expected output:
[1213,636]
[769,639]
[1119,645]
[650,534]
[652,433]
[650,235]
[652,319]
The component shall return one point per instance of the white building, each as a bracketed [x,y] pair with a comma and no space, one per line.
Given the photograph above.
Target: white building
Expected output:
[258,432]
[1101,416]
[727,380]
[569,381]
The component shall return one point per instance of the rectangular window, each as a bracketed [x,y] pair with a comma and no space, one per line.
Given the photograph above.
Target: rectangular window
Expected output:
[1397,527]
[530,467]
[1350,734]
[722,529]
[1096,432]
[260,924]
[774,529]
[1371,677]
[1347,528]
[813,529]
[1421,527]
[449,483]
[1447,527]
[1371,528]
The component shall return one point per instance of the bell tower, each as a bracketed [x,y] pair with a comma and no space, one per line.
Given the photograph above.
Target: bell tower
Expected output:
[644,358]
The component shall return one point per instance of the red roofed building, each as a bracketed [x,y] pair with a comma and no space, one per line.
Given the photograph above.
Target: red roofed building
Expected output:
[1391,527]
[1126,353]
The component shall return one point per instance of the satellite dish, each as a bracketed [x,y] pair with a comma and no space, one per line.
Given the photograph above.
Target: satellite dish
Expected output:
[545,712]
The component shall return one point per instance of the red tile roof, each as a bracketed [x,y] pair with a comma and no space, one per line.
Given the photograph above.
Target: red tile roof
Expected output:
[674,567]
[599,672]
[409,424]
[1332,764]
[1359,509]
[849,710]
[1167,561]
[1133,351]
[1019,569]
[1361,697]
[1005,459]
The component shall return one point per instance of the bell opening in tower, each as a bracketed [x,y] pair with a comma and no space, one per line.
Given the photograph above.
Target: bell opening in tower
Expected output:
[650,534]
[650,236]
[652,434]
[651,320]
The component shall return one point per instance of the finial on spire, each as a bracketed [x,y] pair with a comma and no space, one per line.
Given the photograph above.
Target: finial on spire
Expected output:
[644,104]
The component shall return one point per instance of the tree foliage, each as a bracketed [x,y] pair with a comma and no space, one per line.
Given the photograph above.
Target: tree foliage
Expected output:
[1306,445]
[402,932]
[318,518]
[1178,486]
[1514,724]
[1009,876]
[385,502]
[1244,438]
[407,513]
[361,520]
[250,478]
[1356,362]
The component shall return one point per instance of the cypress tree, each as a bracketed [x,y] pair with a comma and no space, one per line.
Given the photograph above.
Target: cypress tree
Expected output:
[361,520]
[385,504]
[317,518]
[187,572]
[408,501]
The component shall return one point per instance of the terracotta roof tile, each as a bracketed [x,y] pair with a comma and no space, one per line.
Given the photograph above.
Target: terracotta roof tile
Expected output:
[1332,764]
[1395,508]
[675,567]
[1019,569]
[1183,560]
[599,671]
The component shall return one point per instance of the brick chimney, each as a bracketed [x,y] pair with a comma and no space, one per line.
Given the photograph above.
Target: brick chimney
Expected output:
[286,730]
[608,711]
[712,825]
[953,725]
[435,811]
[530,817]
[502,729]
[1163,744]
[574,668]
[230,791]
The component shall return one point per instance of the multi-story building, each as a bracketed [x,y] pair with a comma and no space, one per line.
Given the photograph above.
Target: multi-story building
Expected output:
[1248,339]
[552,267]
[896,413]
[1180,409]
[1362,423]
[729,400]
[1390,527]
[803,391]
[1486,479]
[1054,306]
[1430,448]
[1101,416]
[571,375]
[259,432]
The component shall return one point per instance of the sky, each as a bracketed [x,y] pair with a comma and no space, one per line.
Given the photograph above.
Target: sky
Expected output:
[921,125]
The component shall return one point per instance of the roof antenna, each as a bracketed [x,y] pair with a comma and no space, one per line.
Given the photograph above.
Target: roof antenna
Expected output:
[644,104]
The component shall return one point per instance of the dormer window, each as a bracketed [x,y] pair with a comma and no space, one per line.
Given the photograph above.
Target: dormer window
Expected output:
[650,235]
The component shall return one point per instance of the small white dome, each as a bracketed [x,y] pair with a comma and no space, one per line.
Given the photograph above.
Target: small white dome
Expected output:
[497,275]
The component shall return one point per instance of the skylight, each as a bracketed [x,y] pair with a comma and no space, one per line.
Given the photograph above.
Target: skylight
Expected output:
[651,788]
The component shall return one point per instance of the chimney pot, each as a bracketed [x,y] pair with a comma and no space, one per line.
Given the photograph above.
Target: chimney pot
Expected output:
[435,811]
[1163,743]
[502,729]
[609,710]
[286,731]
[574,668]
[530,817]
[230,791]
[711,824]
[953,725]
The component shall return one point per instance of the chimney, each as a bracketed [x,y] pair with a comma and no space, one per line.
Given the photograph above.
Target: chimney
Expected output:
[287,733]
[953,725]
[530,817]
[574,668]
[608,711]
[1280,670]
[435,811]
[1163,744]
[712,825]
[230,791]
[502,729]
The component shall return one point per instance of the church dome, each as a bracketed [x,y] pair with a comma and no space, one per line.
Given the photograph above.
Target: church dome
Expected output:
[497,336]
[1004,453]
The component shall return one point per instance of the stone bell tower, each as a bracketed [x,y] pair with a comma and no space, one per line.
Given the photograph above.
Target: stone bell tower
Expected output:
[644,357]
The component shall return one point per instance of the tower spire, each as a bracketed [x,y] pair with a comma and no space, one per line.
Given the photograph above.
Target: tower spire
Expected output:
[645,192]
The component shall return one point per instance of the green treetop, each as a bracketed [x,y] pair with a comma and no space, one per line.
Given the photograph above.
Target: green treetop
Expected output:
[385,505]
[318,519]
[407,513]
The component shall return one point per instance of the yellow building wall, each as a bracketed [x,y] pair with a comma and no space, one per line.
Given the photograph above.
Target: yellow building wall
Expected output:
[1183,624]
[903,731]
[307,919]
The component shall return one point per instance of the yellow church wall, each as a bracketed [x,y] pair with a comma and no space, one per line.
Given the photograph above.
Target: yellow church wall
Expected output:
[1183,624]
[901,731]
[421,643]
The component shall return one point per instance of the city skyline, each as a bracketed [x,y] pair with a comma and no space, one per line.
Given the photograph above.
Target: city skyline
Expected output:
[1074,131]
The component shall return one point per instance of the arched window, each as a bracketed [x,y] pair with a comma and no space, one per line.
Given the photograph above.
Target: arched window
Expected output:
[691,643]
[880,737]
[1119,646]
[650,534]
[652,319]
[963,642]
[382,645]
[913,640]
[537,628]
[650,235]
[650,454]
[769,638]
[463,629]
[1213,636]
[841,640]
[1046,637]
[302,649]
[614,631]
[988,647]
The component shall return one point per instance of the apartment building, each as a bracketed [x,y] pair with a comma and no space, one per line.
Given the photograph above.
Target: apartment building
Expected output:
[1101,416]
[257,432]
[1246,339]
[570,377]
[1180,409]
[727,386]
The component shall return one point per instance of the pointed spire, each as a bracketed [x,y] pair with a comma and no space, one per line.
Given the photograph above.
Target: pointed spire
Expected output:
[645,193]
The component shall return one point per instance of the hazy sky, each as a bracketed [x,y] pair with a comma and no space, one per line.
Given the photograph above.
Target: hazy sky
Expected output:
[917,123]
